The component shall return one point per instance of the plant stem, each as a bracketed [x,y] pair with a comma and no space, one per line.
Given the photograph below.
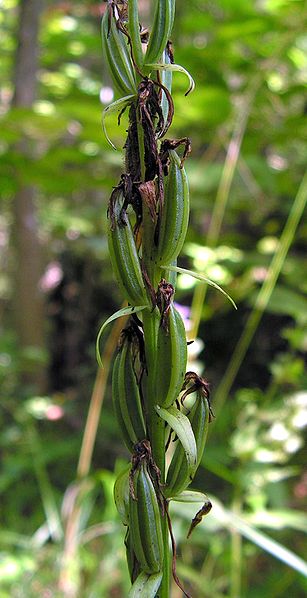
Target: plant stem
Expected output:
[151,321]
[236,550]
[96,401]
[222,198]
[45,487]
[164,590]
[264,295]
[69,572]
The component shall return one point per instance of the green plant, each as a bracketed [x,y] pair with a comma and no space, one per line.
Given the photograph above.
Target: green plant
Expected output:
[148,218]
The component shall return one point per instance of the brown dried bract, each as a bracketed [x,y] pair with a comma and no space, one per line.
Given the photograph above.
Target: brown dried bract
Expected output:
[128,193]
[206,508]
[148,111]
[142,453]
[132,156]
[164,296]
[148,285]
[172,144]
[134,335]
[117,216]
[195,383]
[118,9]
[148,194]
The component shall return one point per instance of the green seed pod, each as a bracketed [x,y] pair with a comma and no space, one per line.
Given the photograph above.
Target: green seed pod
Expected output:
[146,586]
[117,56]
[145,522]
[171,359]
[177,476]
[175,212]
[121,494]
[133,565]
[134,31]
[126,396]
[124,255]
[161,30]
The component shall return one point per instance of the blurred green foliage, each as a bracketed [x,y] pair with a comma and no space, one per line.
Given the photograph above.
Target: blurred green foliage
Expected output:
[249,62]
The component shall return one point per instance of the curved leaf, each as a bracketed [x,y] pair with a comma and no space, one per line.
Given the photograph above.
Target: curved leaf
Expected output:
[200,277]
[190,496]
[174,68]
[182,427]
[116,106]
[125,311]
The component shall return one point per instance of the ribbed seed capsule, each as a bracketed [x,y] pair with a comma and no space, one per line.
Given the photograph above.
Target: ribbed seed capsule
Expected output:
[175,212]
[116,53]
[124,255]
[177,476]
[161,30]
[133,565]
[171,359]
[145,522]
[134,31]
[126,397]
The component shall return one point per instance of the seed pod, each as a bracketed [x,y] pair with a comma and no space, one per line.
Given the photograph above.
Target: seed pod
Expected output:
[146,586]
[178,478]
[145,522]
[121,494]
[171,359]
[116,53]
[134,31]
[123,253]
[175,212]
[126,396]
[161,30]
[133,565]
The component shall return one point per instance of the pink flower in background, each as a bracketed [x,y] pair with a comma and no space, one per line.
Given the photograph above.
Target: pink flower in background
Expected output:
[185,313]
[51,277]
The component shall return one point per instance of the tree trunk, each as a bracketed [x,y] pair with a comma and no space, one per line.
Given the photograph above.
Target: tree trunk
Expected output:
[29,302]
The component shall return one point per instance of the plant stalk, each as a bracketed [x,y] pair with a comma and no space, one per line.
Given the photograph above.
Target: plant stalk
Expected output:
[222,196]
[151,321]
[264,295]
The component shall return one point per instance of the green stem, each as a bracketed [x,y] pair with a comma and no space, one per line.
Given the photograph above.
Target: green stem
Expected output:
[164,590]
[45,487]
[156,424]
[264,296]
[222,196]
[236,550]
[151,321]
